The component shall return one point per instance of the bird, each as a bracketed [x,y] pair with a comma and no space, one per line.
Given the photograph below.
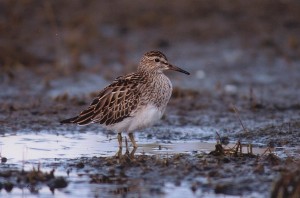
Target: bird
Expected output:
[134,101]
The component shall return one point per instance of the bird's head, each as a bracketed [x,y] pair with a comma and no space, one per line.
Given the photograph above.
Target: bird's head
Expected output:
[158,62]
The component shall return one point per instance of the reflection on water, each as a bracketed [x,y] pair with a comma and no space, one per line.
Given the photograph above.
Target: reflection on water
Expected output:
[26,150]
[38,146]
[28,147]
[44,145]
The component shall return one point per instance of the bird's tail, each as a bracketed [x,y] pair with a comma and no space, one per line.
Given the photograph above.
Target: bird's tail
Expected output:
[70,120]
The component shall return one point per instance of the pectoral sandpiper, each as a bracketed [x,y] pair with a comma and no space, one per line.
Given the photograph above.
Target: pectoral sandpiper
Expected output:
[134,101]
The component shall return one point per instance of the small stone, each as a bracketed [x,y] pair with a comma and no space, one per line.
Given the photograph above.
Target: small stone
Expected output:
[226,160]
[8,186]
[58,182]
[3,159]
[80,165]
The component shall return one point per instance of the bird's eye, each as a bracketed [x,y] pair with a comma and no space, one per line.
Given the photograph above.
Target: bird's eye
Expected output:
[156,60]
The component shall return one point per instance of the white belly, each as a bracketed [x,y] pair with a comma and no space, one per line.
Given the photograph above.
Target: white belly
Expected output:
[144,118]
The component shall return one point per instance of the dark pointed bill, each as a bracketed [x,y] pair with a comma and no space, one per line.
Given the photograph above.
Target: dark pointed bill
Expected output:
[172,67]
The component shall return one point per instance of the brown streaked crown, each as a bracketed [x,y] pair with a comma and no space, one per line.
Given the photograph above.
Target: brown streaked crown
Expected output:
[149,63]
[155,54]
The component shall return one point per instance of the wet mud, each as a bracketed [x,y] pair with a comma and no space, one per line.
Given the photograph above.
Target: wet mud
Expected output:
[232,128]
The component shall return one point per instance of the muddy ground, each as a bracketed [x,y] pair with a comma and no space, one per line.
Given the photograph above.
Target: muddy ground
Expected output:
[245,82]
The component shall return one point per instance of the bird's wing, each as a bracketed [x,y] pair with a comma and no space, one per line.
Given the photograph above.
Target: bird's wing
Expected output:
[114,103]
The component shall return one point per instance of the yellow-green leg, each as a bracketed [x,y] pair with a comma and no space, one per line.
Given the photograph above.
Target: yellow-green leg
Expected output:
[131,137]
[120,140]
[131,154]
[119,152]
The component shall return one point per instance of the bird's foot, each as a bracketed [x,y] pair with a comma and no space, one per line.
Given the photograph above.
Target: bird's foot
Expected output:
[129,156]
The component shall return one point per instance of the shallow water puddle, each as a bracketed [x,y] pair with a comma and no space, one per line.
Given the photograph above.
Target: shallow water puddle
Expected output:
[45,145]
[38,146]
[28,149]
[24,148]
